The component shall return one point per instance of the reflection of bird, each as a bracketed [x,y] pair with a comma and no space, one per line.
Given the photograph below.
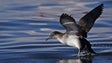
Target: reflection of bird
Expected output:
[77,60]
[76,34]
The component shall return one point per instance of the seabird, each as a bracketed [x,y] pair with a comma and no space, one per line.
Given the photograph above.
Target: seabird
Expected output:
[76,33]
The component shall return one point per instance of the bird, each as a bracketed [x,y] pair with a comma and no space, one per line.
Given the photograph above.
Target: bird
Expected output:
[76,33]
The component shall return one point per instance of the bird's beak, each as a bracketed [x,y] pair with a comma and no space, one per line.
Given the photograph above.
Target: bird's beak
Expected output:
[50,37]
[47,39]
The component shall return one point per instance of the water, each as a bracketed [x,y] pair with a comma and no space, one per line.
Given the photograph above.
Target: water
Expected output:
[25,24]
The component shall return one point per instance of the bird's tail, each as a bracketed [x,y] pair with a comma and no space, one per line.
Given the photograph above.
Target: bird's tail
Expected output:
[90,50]
[87,46]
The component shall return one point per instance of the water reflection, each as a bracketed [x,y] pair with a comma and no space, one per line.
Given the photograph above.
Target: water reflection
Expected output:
[78,60]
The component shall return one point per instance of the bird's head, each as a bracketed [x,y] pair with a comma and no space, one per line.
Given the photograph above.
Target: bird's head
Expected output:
[54,34]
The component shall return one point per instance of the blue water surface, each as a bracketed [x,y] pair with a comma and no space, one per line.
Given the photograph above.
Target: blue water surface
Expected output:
[25,24]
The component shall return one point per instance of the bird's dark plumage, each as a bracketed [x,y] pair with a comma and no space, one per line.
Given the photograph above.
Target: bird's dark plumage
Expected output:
[68,22]
[76,34]
[85,23]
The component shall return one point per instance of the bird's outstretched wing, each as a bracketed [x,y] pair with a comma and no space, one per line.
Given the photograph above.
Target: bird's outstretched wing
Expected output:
[88,20]
[68,22]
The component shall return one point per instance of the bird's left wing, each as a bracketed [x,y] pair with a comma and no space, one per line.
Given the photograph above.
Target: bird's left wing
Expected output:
[68,22]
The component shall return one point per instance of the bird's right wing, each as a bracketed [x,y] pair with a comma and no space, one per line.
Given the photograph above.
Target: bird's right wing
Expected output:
[88,20]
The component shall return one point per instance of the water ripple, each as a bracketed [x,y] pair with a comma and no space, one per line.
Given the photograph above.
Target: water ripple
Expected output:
[25,24]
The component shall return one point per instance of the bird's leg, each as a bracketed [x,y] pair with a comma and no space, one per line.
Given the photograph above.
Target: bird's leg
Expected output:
[79,53]
[85,49]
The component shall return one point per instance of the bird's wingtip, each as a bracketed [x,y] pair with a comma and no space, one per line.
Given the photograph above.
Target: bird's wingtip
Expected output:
[101,5]
[64,14]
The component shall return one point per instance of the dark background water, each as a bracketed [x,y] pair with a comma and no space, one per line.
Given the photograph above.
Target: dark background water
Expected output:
[25,24]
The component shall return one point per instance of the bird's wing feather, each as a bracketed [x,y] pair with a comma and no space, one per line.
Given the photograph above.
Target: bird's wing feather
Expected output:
[87,21]
[68,22]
